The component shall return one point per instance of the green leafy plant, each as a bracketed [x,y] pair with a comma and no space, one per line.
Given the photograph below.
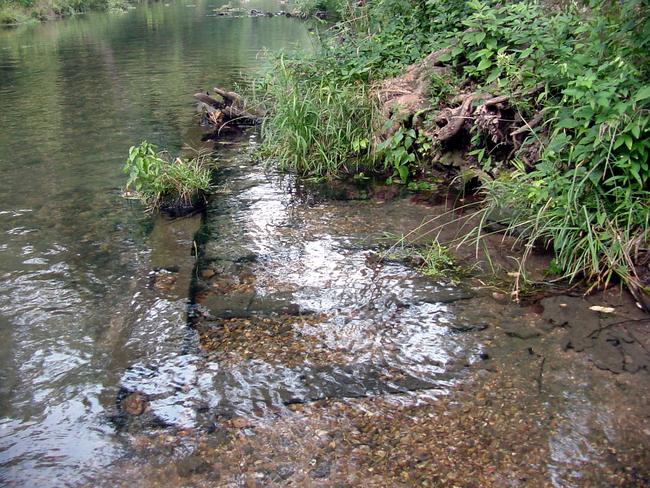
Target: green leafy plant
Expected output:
[439,263]
[161,182]
[441,89]
[421,186]
[398,153]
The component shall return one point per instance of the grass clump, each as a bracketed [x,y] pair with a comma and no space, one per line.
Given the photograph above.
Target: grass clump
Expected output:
[430,257]
[163,183]
[594,234]
[438,263]
[315,126]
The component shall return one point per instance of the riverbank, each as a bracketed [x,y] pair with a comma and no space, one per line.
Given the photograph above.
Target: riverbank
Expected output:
[541,109]
[14,12]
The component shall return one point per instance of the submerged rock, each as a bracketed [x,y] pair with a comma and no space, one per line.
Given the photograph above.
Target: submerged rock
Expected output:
[467,326]
[605,337]
[163,280]
[191,465]
[248,304]
[322,469]
[228,251]
[134,404]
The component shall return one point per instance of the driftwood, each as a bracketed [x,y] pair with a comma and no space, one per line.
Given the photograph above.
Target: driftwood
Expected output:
[226,110]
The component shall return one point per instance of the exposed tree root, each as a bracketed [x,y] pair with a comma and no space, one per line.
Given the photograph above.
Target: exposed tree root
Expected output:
[508,125]
[450,121]
[402,97]
[406,101]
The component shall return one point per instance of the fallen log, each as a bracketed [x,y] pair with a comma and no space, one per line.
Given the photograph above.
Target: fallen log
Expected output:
[226,109]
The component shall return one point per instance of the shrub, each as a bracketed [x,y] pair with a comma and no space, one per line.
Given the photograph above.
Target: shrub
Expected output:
[21,11]
[162,183]
[10,15]
[586,196]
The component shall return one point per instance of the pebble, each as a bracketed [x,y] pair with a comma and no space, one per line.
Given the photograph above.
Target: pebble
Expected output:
[134,404]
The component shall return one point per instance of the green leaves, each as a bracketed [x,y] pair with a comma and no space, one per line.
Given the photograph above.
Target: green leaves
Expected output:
[567,123]
[359,144]
[397,153]
[642,94]
[484,64]
[157,181]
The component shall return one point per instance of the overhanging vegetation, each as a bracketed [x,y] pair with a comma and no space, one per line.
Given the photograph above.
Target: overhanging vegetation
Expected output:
[547,102]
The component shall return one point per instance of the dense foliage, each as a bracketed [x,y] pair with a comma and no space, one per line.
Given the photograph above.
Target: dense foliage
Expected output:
[21,11]
[575,77]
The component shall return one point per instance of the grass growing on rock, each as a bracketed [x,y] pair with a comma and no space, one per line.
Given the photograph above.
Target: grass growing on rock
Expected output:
[161,182]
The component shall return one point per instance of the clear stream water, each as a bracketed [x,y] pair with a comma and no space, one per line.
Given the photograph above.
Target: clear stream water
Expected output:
[75,258]
[129,343]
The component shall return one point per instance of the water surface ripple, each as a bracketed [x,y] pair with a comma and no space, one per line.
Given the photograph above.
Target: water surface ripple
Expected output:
[76,305]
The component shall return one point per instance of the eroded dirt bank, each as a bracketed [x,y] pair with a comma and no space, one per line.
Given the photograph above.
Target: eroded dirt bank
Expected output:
[313,361]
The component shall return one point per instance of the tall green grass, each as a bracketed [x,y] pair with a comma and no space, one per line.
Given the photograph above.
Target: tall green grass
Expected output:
[593,234]
[316,127]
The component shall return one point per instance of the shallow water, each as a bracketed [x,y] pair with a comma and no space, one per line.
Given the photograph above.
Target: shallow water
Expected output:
[293,304]
[76,308]
[270,340]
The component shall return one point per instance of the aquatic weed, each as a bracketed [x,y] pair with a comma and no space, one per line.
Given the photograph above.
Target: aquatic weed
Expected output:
[162,182]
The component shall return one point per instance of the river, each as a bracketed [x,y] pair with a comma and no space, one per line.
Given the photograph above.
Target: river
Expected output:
[279,338]
[74,95]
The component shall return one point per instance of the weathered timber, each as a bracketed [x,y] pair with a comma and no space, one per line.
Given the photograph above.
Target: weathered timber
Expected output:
[226,109]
